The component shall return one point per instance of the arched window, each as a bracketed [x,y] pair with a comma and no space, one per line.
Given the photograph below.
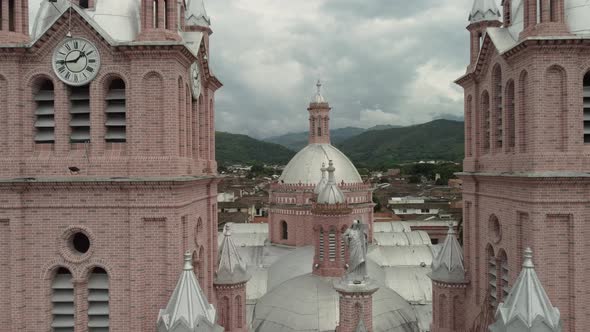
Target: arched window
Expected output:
[181,118]
[510,117]
[84,3]
[503,280]
[468,129]
[321,245]
[587,107]
[80,114]
[522,106]
[443,310]
[485,109]
[44,112]
[239,311]
[201,266]
[224,313]
[116,122]
[553,11]
[62,300]
[319,131]
[497,107]
[98,301]
[284,230]
[332,245]
[11,16]
[492,278]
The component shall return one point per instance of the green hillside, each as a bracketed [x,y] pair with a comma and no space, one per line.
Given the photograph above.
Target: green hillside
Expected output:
[297,141]
[233,148]
[439,139]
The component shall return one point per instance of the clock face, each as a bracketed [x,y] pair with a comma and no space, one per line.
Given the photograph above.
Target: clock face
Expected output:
[195,80]
[76,61]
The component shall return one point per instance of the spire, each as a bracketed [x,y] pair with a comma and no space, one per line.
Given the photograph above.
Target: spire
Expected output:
[318,98]
[188,308]
[484,10]
[231,268]
[331,193]
[323,181]
[527,307]
[448,264]
[196,15]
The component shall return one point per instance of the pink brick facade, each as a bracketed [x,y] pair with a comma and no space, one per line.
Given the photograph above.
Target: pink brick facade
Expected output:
[231,306]
[355,307]
[524,179]
[330,222]
[141,203]
[291,205]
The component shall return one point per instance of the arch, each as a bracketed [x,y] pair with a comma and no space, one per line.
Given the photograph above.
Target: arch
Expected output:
[503,277]
[492,273]
[510,126]
[115,109]
[62,298]
[497,108]
[494,228]
[225,313]
[468,129]
[201,266]
[522,110]
[181,118]
[485,121]
[586,107]
[152,116]
[98,300]
[284,230]
[443,311]
[555,112]
[239,311]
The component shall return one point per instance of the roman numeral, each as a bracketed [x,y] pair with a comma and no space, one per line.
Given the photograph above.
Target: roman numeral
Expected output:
[68,74]
[76,44]
[75,78]
[61,69]
[68,47]
[89,69]
[91,60]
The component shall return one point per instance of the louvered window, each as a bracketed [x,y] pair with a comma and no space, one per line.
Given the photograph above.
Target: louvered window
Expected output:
[98,301]
[62,300]
[44,113]
[79,114]
[498,98]
[342,251]
[332,246]
[505,281]
[321,248]
[116,124]
[587,108]
[493,282]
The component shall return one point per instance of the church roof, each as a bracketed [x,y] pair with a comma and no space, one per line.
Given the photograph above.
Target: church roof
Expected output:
[231,268]
[527,307]
[304,166]
[331,193]
[188,309]
[196,14]
[484,10]
[448,264]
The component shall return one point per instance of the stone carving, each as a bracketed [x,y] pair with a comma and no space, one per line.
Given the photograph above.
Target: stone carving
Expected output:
[356,239]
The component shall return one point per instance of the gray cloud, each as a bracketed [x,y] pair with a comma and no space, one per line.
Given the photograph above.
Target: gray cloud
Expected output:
[382,61]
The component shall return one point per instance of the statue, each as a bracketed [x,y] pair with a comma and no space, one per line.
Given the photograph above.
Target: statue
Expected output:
[356,239]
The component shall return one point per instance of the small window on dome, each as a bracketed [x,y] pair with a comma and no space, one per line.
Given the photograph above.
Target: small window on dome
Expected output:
[320,131]
[84,4]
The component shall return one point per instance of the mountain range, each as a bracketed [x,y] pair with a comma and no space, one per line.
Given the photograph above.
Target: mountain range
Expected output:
[378,147]
[297,141]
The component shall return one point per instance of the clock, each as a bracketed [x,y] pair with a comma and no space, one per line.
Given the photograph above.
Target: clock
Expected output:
[195,77]
[76,61]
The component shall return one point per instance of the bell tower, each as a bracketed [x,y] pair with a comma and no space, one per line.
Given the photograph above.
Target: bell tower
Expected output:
[484,14]
[14,21]
[319,118]
[160,19]
[544,18]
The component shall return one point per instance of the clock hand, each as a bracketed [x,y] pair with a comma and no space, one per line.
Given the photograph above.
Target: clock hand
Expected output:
[82,54]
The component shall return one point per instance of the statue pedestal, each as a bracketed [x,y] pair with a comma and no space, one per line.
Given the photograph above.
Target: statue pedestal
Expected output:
[356,305]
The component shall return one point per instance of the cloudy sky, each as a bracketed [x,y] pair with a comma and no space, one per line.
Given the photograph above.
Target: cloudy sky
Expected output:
[381,61]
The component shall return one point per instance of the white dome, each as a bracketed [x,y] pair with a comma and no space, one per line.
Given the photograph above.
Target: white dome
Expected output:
[305,166]
[312,305]
[576,16]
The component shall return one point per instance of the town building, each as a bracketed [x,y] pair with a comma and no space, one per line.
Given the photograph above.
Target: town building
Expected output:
[527,89]
[108,172]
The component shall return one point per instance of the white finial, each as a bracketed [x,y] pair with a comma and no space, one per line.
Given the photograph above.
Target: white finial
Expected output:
[318,98]
[528,259]
[319,85]
[227,230]
[188,264]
